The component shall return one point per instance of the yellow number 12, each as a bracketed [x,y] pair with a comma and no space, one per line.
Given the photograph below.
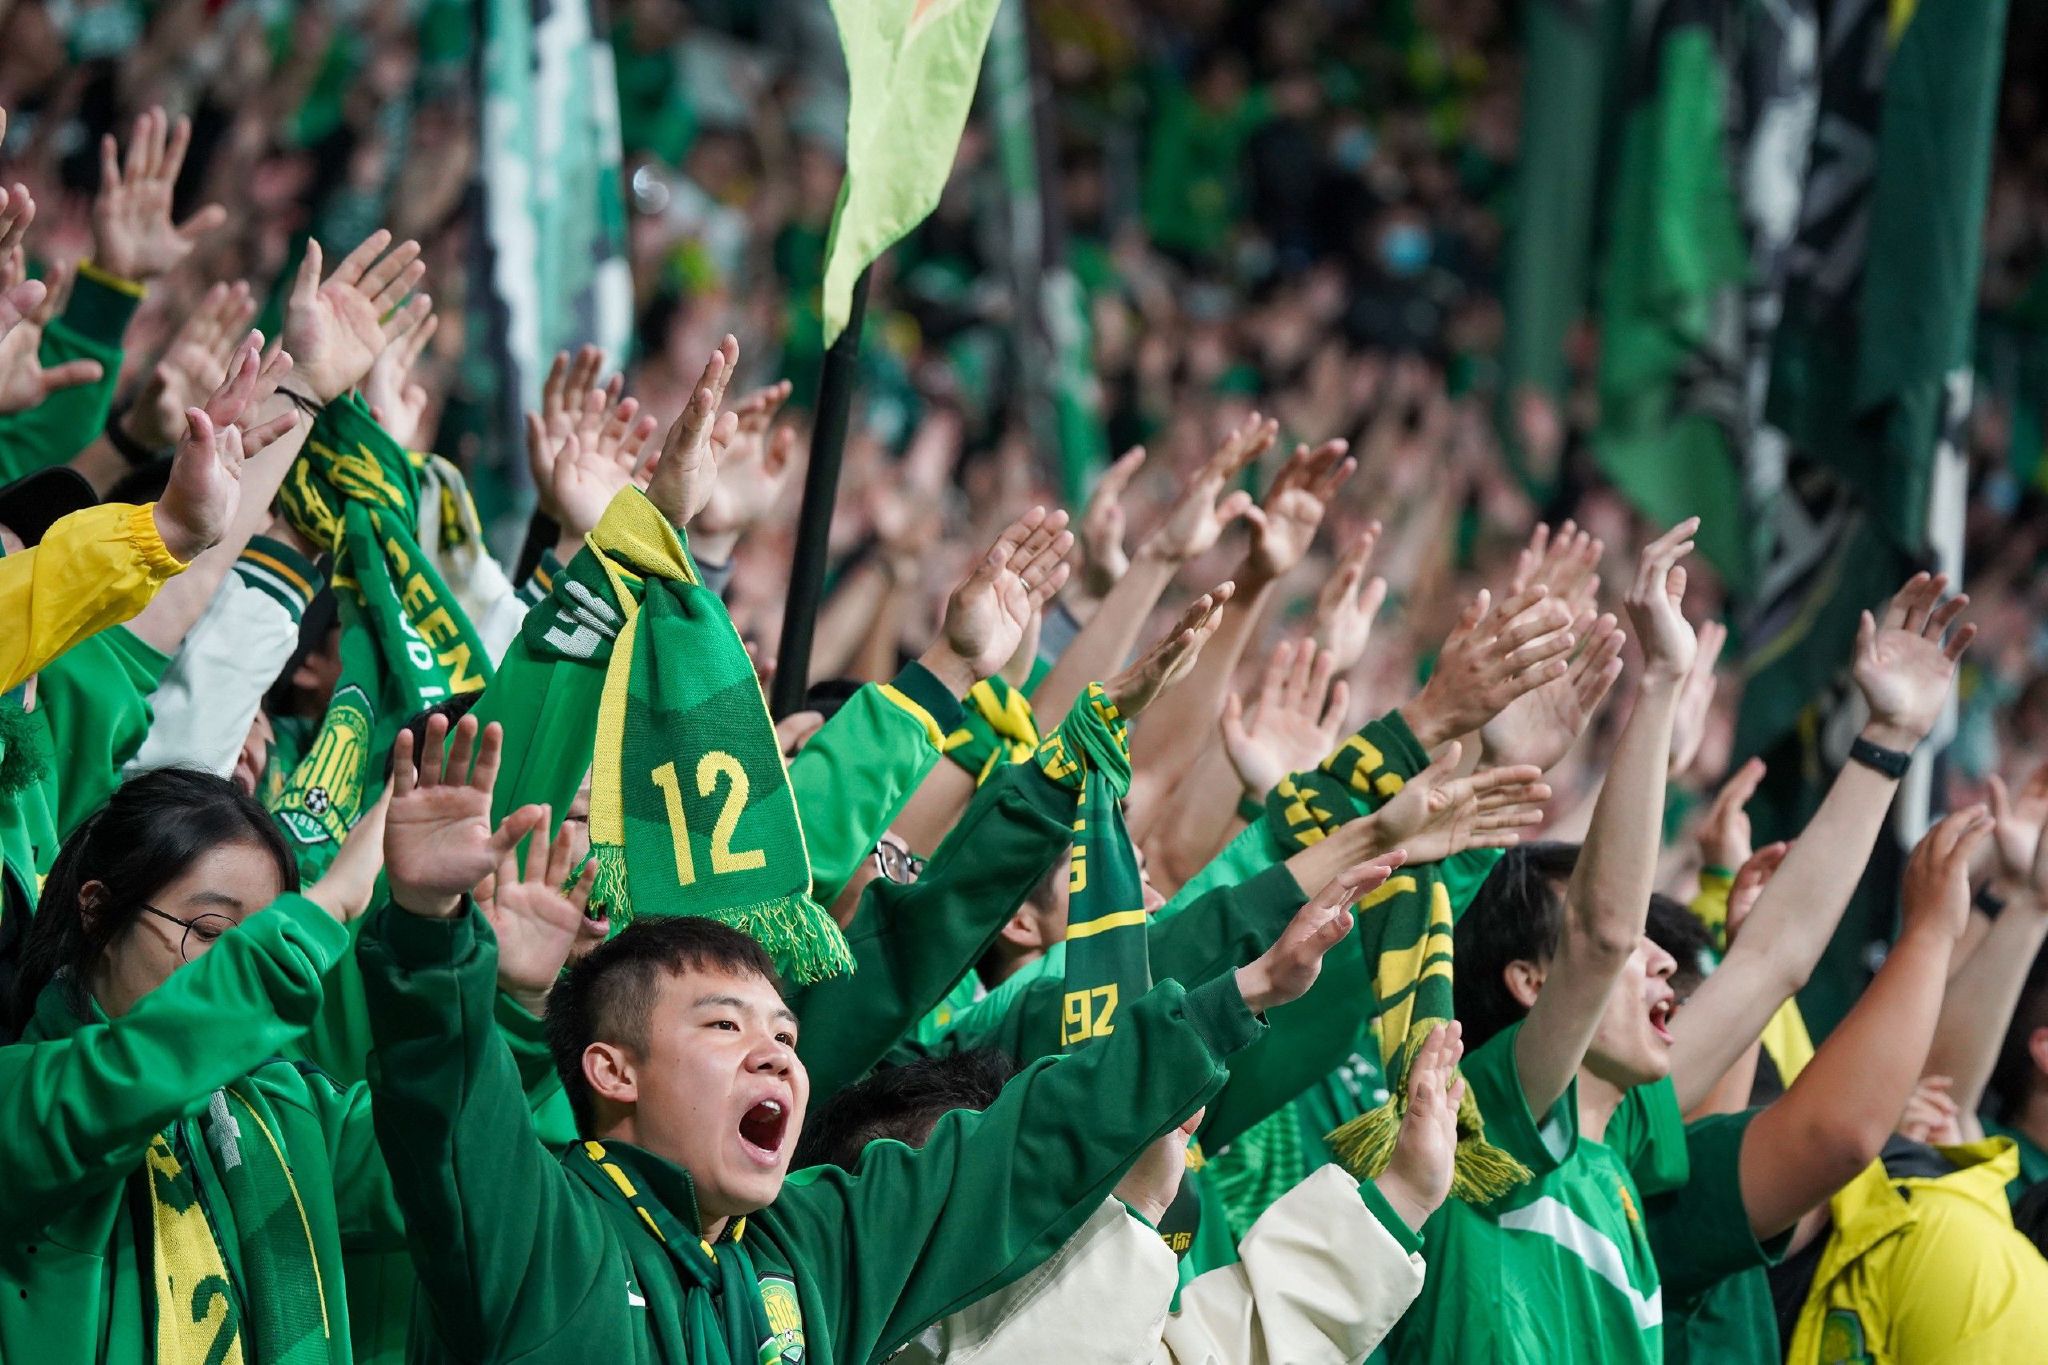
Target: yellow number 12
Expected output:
[724,857]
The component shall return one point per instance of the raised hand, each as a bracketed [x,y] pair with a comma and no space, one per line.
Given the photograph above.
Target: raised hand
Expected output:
[536,913]
[23,380]
[1196,521]
[1750,880]
[688,469]
[1284,528]
[751,474]
[1903,668]
[1489,659]
[1417,1179]
[132,232]
[989,612]
[345,888]
[336,328]
[1696,699]
[1724,832]
[569,379]
[1154,1179]
[19,297]
[1936,895]
[1655,601]
[1541,725]
[1437,813]
[205,486]
[2018,826]
[397,401]
[592,450]
[1293,723]
[192,365]
[1284,973]
[1172,657]
[438,840]
[1103,560]
[1565,563]
[1347,603]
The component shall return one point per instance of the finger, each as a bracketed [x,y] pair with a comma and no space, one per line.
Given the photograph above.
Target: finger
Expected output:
[110,164]
[256,438]
[70,375]
[579,894]
[1336,707]
[1115,479]
[202,222]
[537,857]
[460,752]
[1279,667]
[1043,567]
[1555,646]
[433,751]
[404,772]
[551,387]
[1712,637]
[1537,621]
[729,357]
[1238,505]
[517,826]
[1896,610]
[1317,687]
[1233,718]
[1959,643]
[174,149]
[1924,601]
[352,266]
[1940,618]
[392,294]
[1738,790]
[307,282]
[138,153]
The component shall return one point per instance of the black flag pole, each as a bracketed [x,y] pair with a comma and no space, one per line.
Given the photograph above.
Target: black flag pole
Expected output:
[814,523]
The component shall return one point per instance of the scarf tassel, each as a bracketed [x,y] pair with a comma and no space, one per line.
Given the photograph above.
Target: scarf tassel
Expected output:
[1480,1173]
[806,943]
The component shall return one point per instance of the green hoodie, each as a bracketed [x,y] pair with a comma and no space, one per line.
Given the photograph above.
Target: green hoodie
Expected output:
[522,1260]
[69,420]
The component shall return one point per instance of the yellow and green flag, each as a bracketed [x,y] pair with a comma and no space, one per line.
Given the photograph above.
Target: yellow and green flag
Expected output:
[911,66]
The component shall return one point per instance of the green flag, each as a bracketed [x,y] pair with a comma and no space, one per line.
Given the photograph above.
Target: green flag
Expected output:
[911,66]
[1672,420]
[1565,95]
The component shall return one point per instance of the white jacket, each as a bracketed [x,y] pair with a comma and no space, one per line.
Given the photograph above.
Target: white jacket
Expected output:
[1321,1277]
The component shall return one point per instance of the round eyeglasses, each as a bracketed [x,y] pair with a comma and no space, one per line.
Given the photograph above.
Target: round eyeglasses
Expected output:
[898,863]
[205,928]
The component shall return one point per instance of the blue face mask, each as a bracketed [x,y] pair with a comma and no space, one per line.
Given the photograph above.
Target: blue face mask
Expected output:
[1404,250]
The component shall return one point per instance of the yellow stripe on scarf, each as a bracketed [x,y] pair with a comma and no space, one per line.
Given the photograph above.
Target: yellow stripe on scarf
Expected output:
[196,1317]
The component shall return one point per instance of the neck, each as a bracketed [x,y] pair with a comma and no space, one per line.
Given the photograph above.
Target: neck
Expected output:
[1598,1099]
[714,1228]
[2031,1117]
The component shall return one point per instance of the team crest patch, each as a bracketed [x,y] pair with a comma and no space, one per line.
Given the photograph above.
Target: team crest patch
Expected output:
[1842,1340]
[785,1344]
[323,796]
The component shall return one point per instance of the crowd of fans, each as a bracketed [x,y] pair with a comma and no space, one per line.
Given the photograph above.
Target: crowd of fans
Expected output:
[343,1023]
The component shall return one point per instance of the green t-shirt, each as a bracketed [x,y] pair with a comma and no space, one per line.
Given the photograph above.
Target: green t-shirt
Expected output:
[1717,1297]
[1559,1268]
[2033,1160]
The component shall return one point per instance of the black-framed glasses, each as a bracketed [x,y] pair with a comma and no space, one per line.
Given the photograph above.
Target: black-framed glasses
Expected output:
[206,928]
[898,863]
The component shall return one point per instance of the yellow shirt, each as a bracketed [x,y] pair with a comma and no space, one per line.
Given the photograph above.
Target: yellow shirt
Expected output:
[1927,1271]
[93,569]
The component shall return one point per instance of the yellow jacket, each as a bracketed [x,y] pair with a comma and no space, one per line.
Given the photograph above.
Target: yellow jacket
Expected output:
[93,569]
[1927,1271]
[1785,1039]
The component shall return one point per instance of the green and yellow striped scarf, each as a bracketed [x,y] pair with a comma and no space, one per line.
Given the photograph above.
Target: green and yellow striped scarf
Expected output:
[1405,929]
[998,728]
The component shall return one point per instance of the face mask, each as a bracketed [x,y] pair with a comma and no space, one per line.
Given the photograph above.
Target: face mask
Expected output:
[1404,250]
[2002,492]
[1354,148]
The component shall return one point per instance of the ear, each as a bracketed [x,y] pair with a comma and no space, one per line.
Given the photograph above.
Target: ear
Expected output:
[611,1073]
[91,897]
[1525,981]
[1022,930]
[2037,1048]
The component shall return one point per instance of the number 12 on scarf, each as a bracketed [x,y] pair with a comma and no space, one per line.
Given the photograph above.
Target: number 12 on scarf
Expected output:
[724,857]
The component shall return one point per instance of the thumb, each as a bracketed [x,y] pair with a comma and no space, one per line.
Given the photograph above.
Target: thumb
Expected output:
[517,826]
[308,282]
[1444,764]
[70,375]
[1233,718]
[2001,800]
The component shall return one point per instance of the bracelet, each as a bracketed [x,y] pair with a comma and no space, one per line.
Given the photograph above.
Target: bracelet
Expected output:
[1989,901]
[133,451]
[1891,762]
[305,403]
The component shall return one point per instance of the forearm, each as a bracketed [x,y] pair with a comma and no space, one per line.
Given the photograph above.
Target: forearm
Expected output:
[846,620]
[1182,723]
[1184,831]
[1835,1118]
[1982,993]
[1104,644]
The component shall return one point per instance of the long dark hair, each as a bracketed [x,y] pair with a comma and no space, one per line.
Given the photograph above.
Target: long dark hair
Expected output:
[149,832]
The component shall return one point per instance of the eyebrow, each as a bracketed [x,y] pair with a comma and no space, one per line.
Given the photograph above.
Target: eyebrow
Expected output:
[215,898]
[734,1002]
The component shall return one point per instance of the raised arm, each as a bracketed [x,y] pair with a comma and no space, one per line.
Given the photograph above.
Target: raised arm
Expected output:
[1608,898]
[1904,670]
[1835,1118]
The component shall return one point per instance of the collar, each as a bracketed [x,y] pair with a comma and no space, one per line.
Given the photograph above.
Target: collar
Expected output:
[659,1182]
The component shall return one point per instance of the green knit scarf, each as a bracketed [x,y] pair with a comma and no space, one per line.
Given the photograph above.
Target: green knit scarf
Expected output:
[405,642]
[271,1308]
[998,727]
[723,1321]
[690,807]
[1405,929]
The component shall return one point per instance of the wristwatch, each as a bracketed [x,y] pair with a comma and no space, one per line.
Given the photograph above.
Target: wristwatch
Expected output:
[1891,762]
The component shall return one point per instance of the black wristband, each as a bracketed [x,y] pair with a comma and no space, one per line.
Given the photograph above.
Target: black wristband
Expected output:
[131,450]
[303,402]
[1891,762]
[1988,901]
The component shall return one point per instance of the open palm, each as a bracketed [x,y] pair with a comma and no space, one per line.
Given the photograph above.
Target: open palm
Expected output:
[1436,813]
[438,841]
[987,615]
[1540,726]
[336,328]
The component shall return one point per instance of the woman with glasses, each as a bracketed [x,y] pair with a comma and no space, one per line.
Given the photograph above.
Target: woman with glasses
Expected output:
[174,1190]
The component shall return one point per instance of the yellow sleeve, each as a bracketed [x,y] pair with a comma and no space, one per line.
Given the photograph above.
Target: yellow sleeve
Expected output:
[1966,1289]
[1710,906]
[93,569]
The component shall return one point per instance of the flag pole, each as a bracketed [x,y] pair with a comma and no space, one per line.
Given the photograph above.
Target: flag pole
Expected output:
[814,523]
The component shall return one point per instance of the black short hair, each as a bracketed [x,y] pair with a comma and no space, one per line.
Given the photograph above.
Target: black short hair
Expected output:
[2013,1075]
[454,707]
[1673,927]
[610,994]
[1517,916]
[2030,1216]
[901,1102]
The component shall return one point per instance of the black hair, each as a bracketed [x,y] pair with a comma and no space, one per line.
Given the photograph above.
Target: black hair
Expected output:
[144,482]
[151,830]
[827,695]
[611,993]
[1517,916]
[2013,1075]
[2030,1216]
[1673,927]
[901,1102]
[455,708]
[316,628]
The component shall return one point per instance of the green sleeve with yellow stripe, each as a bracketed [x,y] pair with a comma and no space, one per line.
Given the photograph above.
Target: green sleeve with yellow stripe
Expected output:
[69,420]
[855,775]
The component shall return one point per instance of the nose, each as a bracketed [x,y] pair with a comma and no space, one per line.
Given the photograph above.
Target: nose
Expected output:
[771,1057]
[1658,963]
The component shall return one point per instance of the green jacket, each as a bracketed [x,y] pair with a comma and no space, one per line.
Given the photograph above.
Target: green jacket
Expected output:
[911,943]
[80,1101]
[520,1260]
[69,420]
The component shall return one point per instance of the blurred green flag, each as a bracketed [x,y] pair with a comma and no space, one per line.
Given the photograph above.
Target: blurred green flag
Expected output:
[911,67]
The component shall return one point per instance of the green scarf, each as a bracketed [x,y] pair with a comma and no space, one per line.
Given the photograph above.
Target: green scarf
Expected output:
[690,806]
[1405,929]
[270,1310]
[405,642]
[723,1321]
[998,728]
